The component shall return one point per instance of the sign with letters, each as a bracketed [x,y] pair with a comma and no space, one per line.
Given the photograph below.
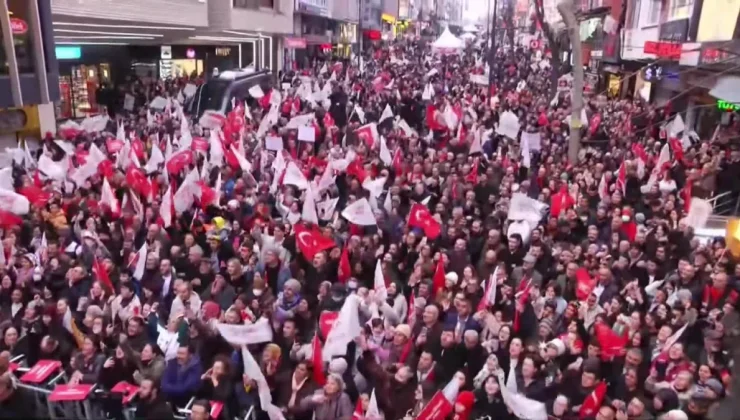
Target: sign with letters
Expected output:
[41,371]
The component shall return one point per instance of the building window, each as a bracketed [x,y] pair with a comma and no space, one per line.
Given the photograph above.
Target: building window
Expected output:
[680,9]
[19,11]
[634,15]
[653,16]
[254,4]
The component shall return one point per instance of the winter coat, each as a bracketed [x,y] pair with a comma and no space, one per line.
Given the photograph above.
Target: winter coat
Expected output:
[335,408]
[182,381]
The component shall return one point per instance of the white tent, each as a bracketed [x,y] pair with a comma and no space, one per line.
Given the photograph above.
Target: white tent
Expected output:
[447,43]
[467,36]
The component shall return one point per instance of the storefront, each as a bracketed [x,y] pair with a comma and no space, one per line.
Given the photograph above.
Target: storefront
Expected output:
[345,40]
[174,66]
[82,71]
[388,24]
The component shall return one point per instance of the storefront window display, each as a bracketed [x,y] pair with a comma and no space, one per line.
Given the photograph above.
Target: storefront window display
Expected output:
[78,91]
[19,15]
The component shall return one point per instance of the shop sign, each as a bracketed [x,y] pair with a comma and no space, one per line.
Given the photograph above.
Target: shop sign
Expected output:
[652,73]
[165,52]
[388,18]
[223,51]
[661,49]
[674,31]
[295,43]
[727,106]
[314,7]
[18,26]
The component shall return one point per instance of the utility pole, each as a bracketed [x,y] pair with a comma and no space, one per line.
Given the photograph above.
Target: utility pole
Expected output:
[359,34]
[492,50]
[566,8]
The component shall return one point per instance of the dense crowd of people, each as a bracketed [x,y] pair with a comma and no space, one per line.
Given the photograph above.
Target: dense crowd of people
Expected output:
[373,243]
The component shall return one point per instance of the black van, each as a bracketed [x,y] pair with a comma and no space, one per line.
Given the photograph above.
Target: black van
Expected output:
[216,93]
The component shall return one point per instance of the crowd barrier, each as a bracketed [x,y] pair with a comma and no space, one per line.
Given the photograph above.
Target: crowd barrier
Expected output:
[48,384]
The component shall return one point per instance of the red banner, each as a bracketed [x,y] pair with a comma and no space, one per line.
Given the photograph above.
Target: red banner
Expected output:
[216,408]
[70,392]
[40,371]
[437,409]
[128,390]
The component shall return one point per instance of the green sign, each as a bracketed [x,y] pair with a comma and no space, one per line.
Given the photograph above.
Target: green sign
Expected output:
[727,106]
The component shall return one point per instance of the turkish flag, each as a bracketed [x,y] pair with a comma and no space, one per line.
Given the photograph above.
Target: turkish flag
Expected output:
[561,201]
[357,170]
[398,162]
[179,161]
[102,275]
[584,284]
[438,281]
[8,219]
[137,181]
[472,177]
[35,195]
[420,217]
[137,146]
[105,168]
[318,364]
[592,403]
[612,345]
[311,241]
[345,269]
[113,145]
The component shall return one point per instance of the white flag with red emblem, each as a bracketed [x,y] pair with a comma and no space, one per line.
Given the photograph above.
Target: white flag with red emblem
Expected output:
[368,134]
[359,213]
[344,330]
[294,176]
[165,209]
[139,262]
[385,153]
[108,198]
[308,213]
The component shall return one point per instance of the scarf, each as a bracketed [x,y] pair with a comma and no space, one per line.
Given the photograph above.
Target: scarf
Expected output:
[295,387]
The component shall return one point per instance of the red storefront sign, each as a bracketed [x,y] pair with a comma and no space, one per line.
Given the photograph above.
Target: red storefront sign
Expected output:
[663,49]
[295,43]
[70,392]
[40,371]
[18,26]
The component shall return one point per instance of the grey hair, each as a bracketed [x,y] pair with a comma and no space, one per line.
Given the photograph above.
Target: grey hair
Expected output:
[338,379]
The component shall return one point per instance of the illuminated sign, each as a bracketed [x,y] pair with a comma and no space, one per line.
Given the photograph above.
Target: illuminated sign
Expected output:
[727,106]
[663,49]
[223,51]
[190,53]
[68,53]
[18,26]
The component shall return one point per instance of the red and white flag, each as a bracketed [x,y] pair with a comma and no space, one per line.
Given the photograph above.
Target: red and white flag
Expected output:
[368,134]
[310,241]
[108,198]
[489,296]
[622,178]
[308,213]
[319,376]
[166,209]
[179,161]
[139,262]
[603,188]
[420,217]
[592,403]
[294,176]
[438,281]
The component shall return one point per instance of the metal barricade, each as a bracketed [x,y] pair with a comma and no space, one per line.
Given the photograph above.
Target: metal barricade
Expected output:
[42,391]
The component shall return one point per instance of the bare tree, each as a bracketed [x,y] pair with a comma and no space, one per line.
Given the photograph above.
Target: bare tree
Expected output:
[567,10]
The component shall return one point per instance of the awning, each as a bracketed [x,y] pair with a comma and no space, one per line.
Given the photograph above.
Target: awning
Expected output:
[727,88]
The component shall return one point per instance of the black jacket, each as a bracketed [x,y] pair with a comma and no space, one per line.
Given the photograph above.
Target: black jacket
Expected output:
[158,409]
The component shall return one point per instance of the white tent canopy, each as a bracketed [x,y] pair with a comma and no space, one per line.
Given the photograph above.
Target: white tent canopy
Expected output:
[467,36]
[448,43]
